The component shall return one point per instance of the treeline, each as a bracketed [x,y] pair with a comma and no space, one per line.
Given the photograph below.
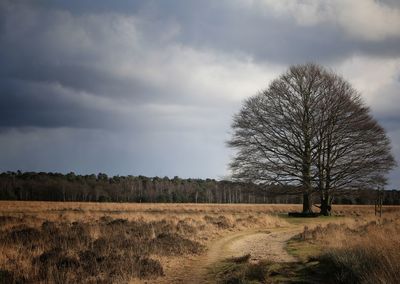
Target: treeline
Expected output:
[102,188]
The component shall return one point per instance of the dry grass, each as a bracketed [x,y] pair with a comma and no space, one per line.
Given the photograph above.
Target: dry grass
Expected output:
[240,270]
[85,211]
[365,250]
[55,242]
[102,252]
[43,242]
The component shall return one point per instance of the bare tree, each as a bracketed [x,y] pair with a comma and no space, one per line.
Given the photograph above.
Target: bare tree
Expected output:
[353,150]
[311,130]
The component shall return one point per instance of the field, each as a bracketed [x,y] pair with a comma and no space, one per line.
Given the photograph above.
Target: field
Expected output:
[55,242]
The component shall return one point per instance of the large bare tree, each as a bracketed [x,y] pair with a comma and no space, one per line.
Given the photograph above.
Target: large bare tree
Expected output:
[311,130]
[353,149]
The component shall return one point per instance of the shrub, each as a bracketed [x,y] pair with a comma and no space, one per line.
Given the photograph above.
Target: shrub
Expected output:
[363,264]
[240,270]
[174,244]
[221,221]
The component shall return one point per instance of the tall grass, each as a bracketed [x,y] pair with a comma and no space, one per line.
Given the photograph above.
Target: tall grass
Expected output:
[363,253]
[97,243]
[55,242]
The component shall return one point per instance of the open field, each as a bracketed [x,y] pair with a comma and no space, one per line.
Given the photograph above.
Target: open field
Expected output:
[55,242]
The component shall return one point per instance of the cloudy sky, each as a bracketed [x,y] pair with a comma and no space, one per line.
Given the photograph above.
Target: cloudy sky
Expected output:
[150,87]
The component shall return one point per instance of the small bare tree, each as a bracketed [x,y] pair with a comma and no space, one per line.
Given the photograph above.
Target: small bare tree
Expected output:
[311,130]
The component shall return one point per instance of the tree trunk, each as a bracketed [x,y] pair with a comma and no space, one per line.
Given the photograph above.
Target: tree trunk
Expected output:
[326,206]
[306,203]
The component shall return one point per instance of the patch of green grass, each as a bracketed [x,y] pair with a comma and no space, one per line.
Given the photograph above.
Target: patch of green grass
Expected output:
[240,270]
[303,250]
[309,269]
[244,272]
[306,220]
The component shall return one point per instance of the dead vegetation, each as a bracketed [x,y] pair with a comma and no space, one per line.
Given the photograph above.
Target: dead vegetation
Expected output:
[362,251]
[96,243]
[48,242]
[240,270]
[101,252]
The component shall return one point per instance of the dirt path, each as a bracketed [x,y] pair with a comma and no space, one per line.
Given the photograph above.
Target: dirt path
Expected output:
[259,244]
[264,245]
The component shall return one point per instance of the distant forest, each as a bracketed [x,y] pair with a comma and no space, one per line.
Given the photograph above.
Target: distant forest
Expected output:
[102,188]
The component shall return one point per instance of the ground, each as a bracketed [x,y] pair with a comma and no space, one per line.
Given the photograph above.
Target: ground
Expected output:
[268,245]
[186,243]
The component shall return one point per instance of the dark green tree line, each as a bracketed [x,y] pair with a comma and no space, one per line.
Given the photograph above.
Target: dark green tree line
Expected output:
[101,188]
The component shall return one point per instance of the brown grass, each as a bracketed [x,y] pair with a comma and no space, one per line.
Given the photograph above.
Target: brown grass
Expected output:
[55,242]
[43,242]
[240,270]
[69,253]
[362,251]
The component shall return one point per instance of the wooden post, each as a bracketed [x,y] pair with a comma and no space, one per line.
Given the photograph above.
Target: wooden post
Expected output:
[379,202]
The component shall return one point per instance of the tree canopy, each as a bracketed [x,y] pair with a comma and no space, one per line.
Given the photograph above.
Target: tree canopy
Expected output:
[310,129]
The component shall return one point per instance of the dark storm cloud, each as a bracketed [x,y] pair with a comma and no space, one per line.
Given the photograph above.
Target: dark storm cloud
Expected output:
[255,30]
[53,55]
[157,82]
[25,104]
[265,36]
[79,45]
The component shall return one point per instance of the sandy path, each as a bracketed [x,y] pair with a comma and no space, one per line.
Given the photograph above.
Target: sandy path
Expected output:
[264,245]
[259,244]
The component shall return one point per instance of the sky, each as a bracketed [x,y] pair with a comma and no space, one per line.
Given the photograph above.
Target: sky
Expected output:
[150,87]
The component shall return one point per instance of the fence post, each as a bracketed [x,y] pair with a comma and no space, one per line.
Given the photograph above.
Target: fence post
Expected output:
[379,202]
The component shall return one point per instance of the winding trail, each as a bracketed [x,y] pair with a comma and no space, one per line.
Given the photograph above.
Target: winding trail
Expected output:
[258,243]
[264,245]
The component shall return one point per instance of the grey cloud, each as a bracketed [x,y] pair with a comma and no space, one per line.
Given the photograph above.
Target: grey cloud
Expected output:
[186,154]
[25,104]
[260,33]
[142,86]
[228,27]
[32,104]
